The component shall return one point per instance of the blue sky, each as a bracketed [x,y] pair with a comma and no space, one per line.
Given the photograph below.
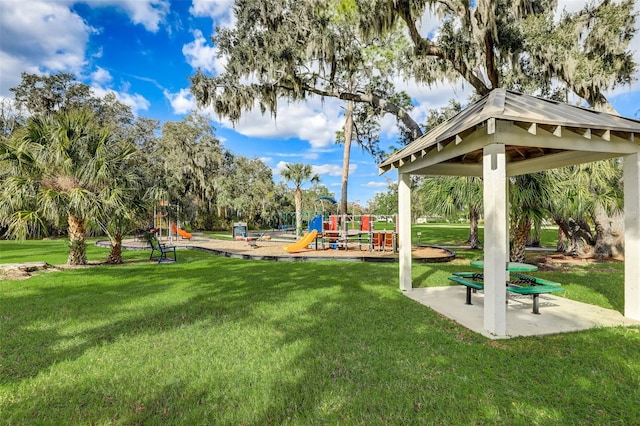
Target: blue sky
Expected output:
[145,50]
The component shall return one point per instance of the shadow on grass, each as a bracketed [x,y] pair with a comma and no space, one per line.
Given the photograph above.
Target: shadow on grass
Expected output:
[216,340]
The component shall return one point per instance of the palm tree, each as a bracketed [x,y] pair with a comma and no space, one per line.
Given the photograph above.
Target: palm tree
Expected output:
[62,165]
[530,197]
[448,195]
[299,173]
[122,203]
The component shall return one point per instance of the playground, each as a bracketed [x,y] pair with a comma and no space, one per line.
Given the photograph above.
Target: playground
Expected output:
[273,248]
[166,222]
[326,236]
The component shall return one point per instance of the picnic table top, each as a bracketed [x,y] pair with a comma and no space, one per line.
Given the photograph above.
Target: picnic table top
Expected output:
[511,266]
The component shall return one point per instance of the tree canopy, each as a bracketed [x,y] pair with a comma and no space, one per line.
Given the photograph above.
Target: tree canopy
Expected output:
[98,168]
[513,44]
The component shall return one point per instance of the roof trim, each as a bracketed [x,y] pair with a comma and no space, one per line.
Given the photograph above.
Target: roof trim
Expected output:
[527,112]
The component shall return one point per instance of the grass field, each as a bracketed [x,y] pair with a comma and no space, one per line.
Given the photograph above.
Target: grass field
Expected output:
[212,340]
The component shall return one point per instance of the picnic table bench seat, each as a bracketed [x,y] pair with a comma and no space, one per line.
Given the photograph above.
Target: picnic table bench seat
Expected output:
[534,280]
[535,290]
[473,282]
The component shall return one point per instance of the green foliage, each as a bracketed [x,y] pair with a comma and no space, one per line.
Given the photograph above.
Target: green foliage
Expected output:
[588,49]
[183,162]
[42,94]
[385,202]
[64,166]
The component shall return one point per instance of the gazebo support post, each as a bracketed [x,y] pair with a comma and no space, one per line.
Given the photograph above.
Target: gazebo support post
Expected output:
[494,173]
[404,230]
[632,236]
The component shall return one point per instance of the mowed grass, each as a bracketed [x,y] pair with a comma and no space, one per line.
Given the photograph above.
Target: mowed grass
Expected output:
[212,340]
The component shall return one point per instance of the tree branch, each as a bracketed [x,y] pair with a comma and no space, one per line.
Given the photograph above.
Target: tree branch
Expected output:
[388,107]
[424,47]
[492,71]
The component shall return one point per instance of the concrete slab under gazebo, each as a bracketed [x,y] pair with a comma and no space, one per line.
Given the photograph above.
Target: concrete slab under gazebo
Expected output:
[508,134]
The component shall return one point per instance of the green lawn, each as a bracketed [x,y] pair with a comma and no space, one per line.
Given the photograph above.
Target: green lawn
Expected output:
[212,340]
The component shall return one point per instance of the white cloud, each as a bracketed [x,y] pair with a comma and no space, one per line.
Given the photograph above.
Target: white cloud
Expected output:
[279,167]
[569,6]
[333,169]
[48,37]
[310,121]
[313,121]
[428,24]
[321,170]
[101,85]
[213,8]
[27,41]
[286,154]
[220,11]
[148,13]
[201,55]
[310,155]
[424,98]
[101,77]
[372,184]
[182,102]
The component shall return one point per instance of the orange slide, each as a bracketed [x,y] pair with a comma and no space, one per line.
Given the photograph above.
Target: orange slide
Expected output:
[302,243]
[179,231]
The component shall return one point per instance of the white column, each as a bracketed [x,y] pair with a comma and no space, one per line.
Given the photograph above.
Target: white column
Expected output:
[404,230]
[632,236]
[496,247]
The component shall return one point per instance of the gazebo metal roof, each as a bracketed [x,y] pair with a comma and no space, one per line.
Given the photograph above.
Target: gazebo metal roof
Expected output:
[579,135]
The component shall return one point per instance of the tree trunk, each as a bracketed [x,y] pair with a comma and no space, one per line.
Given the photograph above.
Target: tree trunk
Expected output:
[561,245]
[298,200]
[346,154]
[534,237]
[474,217]
[578,233]
[115,256]
[519,241]
[609,234]
[77,241]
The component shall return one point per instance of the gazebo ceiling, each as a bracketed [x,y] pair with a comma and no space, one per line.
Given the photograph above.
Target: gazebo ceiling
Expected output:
[538,134]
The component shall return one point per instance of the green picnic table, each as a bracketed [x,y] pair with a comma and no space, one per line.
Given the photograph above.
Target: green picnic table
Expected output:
[520,284]
[511,266]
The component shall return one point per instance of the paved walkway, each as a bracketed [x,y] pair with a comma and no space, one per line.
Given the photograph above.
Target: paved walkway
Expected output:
[557,314]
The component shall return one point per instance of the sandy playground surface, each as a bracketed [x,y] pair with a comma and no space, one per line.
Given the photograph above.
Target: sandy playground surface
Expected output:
[275,247]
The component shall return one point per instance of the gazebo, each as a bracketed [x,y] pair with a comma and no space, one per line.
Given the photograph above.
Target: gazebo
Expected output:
[508,134]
